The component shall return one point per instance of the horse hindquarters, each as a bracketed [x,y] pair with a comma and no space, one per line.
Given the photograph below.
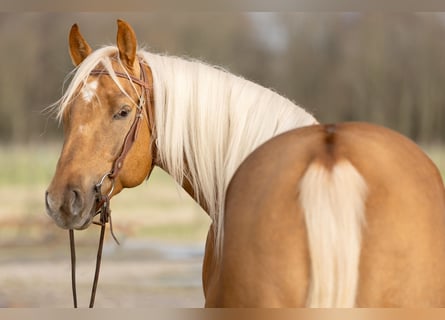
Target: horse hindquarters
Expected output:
[293,226]
[298,206]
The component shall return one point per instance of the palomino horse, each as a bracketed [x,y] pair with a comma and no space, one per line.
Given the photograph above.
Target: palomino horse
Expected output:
[323,216]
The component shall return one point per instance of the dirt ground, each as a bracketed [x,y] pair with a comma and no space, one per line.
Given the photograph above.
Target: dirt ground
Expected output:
[135,274]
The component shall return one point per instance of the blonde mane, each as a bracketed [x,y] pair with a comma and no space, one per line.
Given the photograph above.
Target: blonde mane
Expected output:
[207,122]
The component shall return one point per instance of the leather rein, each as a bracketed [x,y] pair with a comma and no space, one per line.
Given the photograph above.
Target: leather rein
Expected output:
[103,200]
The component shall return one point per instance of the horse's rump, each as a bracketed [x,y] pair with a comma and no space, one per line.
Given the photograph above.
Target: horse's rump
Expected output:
[391,196]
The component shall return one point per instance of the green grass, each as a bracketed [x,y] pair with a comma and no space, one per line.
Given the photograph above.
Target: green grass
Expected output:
[31,165]
[156,209]
[35,165]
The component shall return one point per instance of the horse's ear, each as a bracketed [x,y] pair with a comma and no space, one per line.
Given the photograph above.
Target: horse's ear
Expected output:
[126,43]
[79,48]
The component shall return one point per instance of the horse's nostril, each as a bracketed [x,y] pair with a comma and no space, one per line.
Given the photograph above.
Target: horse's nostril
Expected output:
[47,201]
[76,194]
[76,201]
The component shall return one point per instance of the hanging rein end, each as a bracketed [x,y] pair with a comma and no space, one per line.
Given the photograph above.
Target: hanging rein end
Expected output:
[73,267]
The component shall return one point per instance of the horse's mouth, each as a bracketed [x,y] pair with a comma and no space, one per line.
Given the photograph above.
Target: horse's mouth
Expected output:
[80,222]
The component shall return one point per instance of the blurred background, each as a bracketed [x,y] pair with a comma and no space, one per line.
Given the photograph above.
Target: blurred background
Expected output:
[382,68]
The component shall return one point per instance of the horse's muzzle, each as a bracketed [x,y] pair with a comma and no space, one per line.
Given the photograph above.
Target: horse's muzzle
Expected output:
[69,209]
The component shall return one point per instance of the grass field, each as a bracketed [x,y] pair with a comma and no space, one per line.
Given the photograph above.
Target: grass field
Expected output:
[25,173]
[158,208]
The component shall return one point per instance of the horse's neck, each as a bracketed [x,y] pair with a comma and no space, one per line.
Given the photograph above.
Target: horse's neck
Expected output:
[210,121]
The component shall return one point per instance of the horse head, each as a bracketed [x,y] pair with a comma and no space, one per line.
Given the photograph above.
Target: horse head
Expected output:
[108,95]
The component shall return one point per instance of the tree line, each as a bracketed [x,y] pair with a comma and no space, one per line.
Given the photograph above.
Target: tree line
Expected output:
[383,68]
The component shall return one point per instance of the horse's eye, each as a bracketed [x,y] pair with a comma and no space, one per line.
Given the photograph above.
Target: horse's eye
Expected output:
[123,113]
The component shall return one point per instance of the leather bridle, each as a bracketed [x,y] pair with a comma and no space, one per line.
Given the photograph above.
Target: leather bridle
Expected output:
[103,200]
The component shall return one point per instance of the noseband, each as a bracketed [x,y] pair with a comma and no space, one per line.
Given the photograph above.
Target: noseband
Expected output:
[103,200]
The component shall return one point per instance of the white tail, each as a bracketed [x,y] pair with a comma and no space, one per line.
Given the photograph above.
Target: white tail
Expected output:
[333,201]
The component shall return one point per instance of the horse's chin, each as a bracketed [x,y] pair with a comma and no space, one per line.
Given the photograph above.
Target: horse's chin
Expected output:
[87,220]
[85,225]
